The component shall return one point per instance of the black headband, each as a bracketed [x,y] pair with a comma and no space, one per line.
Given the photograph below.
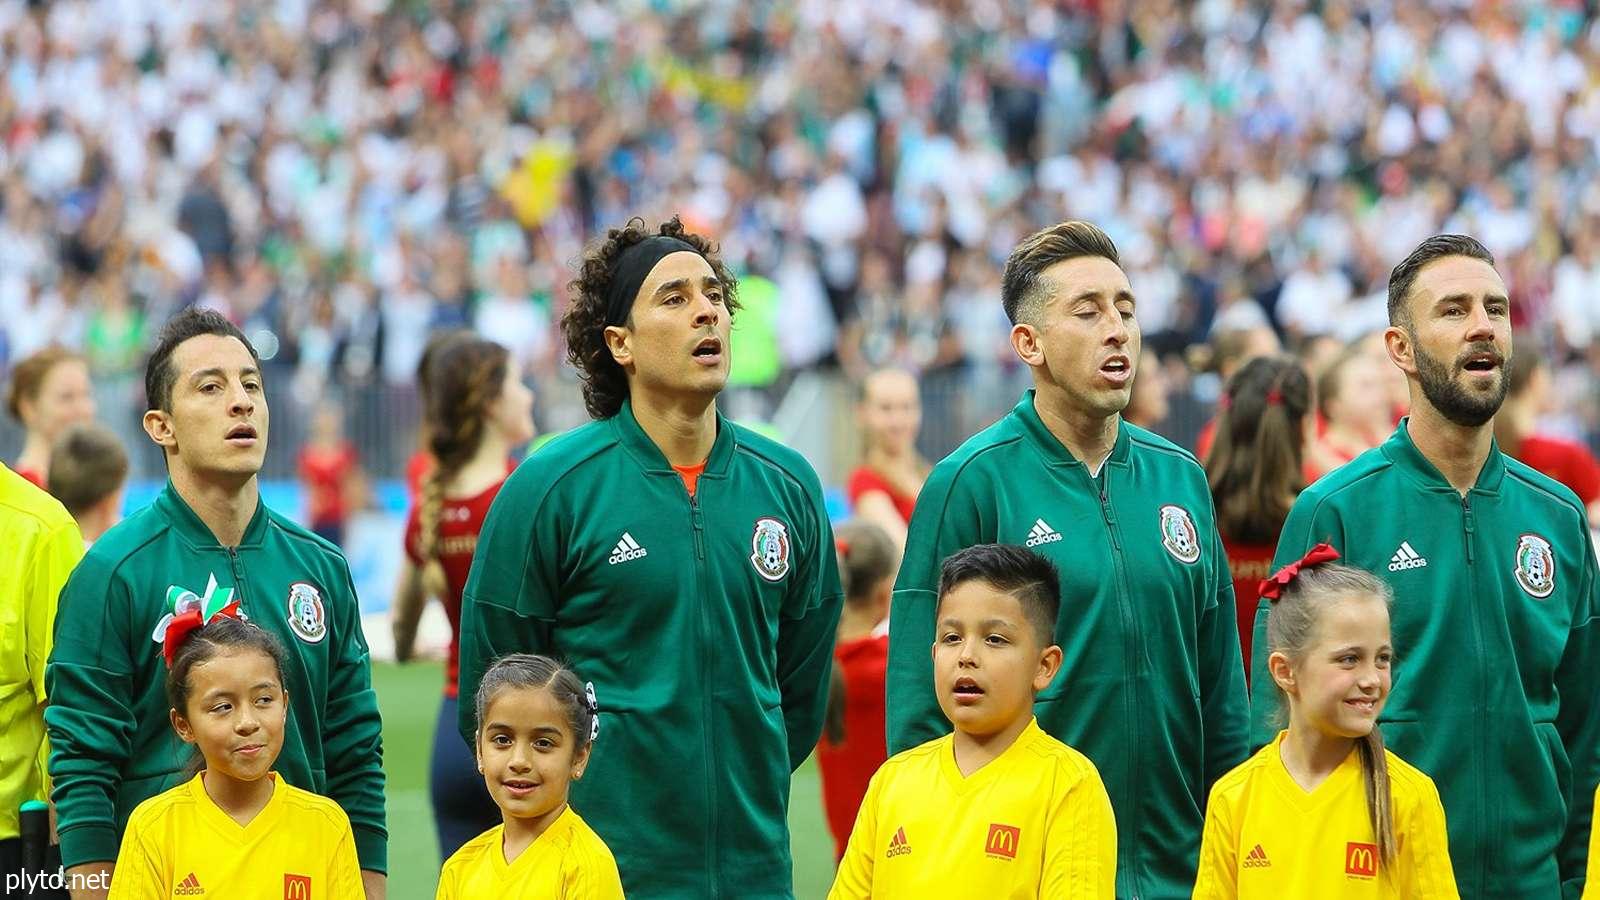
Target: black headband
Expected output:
[632,268]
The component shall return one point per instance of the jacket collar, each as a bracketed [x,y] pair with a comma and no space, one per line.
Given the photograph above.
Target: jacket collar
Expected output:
[1050,447]
[650,458]
[187,523]
[1404,455]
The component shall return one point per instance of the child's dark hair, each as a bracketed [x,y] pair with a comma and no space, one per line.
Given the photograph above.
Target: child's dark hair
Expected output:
[528,670]
[1292,623]
[866,557]
[1017,571]
[1255,467]
[202,645]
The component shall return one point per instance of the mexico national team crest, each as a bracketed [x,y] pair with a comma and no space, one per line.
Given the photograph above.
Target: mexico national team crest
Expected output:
[1178,534]
[1536,566]
[307,617]
[769,549]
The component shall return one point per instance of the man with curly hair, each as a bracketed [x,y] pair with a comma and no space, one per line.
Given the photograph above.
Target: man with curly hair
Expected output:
[682,564]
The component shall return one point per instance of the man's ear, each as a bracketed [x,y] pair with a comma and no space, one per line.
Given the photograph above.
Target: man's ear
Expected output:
[619,340]
[158,424]
[1025,341]
[1402,350]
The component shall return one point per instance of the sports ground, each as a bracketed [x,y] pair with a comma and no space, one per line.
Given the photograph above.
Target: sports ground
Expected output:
[409,698]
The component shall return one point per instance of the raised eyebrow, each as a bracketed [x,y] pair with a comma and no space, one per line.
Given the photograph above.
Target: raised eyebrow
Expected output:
[673,285]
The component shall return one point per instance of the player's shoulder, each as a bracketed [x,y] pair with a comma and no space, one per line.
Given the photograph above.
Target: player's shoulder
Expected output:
[1372,472]
[565,456]
[306,807]
[121,545]
[304,540]
[785,459]
[1532,484]
[1155,448]
[995,448]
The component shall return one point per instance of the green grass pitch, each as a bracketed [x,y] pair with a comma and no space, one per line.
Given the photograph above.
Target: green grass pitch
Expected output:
[409,698]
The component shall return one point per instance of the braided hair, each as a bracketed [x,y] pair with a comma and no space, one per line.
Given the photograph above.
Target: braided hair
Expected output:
[465,380]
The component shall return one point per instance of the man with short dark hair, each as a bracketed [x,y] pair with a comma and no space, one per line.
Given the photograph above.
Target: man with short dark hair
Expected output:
[683,564]
[1495,580]
[208,533]
[88,471]
[1151,688]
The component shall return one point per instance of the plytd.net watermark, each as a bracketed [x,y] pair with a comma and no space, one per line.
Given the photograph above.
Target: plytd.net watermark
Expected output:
[59,880]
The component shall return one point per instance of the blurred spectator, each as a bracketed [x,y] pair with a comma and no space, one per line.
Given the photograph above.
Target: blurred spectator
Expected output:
[1354,408]
[330,469]
[883,488]
[49,393]
[1516,428]
[1148,407]
[1256,470]
[88,472]
[853,743]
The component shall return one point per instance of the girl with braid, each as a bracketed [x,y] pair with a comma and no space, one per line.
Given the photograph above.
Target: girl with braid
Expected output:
[478,411]
[1256,469]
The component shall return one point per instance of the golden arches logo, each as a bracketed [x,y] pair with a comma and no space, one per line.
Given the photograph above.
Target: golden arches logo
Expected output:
[1003,841]
[1360,859]
[297,887]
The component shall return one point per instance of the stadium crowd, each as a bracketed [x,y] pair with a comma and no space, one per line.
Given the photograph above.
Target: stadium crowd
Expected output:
[341,178]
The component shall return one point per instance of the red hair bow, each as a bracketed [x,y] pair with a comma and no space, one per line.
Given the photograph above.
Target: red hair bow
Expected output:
[1272,588]
[178,629]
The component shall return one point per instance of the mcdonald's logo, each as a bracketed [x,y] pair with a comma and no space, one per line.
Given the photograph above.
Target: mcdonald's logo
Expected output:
[1003,841]
[1360,859]
[297,887]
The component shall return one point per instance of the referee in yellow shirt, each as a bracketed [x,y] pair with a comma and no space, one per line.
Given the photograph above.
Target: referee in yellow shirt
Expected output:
[42,544]
[998,810]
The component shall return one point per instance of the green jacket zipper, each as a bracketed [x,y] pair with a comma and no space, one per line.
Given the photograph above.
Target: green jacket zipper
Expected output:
[1125,613]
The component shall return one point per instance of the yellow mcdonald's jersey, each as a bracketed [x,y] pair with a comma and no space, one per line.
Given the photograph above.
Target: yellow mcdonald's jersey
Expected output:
[1034,822]
[1591,881]
[180,844]
[1267,837]
[567,862]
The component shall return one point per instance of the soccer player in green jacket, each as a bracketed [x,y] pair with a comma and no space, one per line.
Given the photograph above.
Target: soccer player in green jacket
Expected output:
[1495,590]
[1151,687]
[207,534]
[681,563]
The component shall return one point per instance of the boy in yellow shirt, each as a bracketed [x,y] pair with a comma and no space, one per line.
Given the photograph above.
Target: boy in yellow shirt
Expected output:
[235,830]
[536,725]
[1324,811]
[997,810]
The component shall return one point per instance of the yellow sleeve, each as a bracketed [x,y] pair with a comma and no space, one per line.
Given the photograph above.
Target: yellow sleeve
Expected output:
[142,870]
[1591,882]
[1422,863]
[1218,877]
[344,869]
[1080,847]
[594,875]
[54,558]
[854,878]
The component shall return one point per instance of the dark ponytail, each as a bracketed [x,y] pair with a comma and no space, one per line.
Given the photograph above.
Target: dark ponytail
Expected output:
[1256,461]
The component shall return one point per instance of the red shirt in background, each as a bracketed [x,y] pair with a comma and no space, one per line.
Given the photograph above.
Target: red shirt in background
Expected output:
[326,474]
[1248,566]
[460,520]
[864,479]
[847,768]
[1569,463]
[33,476]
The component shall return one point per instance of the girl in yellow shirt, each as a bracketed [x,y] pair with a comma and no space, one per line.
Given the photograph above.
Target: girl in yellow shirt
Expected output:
[536,725]
[1324,811]
[236,829]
